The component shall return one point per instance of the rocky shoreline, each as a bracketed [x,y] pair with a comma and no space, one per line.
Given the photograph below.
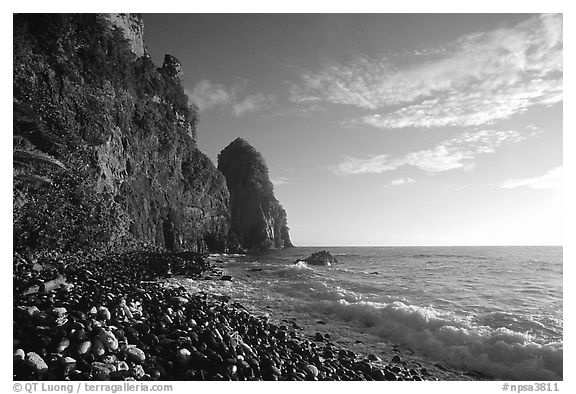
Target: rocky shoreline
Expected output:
[112,317]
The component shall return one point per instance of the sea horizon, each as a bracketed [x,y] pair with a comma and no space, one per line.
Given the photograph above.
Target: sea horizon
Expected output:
[426,246]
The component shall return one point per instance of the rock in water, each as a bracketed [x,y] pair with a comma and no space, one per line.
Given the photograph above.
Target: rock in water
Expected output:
[258,219]
[322,257]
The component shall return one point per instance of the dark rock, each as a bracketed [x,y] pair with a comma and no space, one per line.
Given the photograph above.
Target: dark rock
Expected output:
[378,374]
[322,257]
[19,354]
[396,359]
[319,337]
[373,357]
[478,375]
[441,367]
[311,370]
[258,219]
[390,376]
[102,368]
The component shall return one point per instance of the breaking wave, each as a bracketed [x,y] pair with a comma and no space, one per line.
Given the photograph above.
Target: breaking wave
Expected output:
[497,352]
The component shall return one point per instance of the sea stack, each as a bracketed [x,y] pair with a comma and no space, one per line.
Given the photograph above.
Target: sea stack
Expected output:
[258,219]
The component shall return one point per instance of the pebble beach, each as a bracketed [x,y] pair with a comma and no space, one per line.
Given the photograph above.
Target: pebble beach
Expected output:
[121,317]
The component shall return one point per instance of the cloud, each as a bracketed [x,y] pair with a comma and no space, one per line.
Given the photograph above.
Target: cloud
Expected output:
[551,180]
[474,81]
[457,152]
[208,95]
[401,181]
[278,181]
[252,103]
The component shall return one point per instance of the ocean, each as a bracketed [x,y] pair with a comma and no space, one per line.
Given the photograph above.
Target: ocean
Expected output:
[494,310]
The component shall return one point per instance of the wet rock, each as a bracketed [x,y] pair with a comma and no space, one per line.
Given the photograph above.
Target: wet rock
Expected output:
[102,368]
[63,345]
[378,374]
[389,376]
[98,348]
[136,355]
[84,347]
[37,362]
[138,371]
[19,354]
[372,357]
[108,339]
[318,337]
[102,313]
[183,356]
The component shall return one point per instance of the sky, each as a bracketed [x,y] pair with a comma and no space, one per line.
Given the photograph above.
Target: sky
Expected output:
[386,129]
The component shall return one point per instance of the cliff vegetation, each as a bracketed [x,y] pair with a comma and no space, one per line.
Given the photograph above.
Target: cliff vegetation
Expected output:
[104,143]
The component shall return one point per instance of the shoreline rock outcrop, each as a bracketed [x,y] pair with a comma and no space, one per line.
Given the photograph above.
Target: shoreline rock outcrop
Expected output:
[258,220]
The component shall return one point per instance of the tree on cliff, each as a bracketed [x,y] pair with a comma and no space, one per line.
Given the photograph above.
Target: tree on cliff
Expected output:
[258,219]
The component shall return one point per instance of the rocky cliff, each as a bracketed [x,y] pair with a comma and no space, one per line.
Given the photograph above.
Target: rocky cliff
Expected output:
[104,142]
[258,219]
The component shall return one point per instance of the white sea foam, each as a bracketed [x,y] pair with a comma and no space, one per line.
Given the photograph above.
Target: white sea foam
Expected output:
[500,353]
[300,265]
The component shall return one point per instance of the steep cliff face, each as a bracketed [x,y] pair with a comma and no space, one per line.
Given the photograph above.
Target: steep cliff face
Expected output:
[104,142]
[258,219]
[133,30]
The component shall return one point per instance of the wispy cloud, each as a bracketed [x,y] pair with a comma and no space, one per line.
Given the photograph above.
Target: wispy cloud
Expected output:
[551,180]
[278,181]
[401,181]
[454,153]
[208,95]
[252,103]
[481,78]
